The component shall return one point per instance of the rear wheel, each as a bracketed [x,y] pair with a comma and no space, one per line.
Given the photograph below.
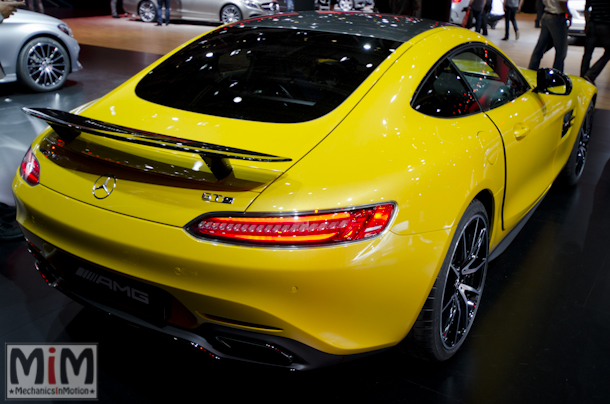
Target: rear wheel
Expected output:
[147,10]
[451,307]
[575,165]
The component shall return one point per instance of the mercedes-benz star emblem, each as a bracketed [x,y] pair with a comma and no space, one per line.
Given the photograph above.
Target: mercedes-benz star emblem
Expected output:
[104,186]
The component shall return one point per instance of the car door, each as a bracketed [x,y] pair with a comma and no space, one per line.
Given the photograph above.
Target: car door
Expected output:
[201,9]
[530,132]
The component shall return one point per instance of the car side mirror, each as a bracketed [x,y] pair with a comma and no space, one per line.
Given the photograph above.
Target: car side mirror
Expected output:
[552,81]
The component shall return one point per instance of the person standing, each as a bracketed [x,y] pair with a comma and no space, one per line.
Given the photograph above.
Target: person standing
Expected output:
[476,8]
[598,31]
[7,8]
[38,4]
[113,4]
[161,4]
[8,231]
[511,8]
[539,12]
[553,30]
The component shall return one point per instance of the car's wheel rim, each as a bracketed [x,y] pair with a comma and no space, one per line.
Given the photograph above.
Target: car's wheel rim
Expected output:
[147,12]
[230,14]
[46,64]
[583,142]
[464,283]
[346,5]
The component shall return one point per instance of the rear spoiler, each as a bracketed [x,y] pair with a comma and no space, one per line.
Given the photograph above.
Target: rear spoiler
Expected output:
[68,126]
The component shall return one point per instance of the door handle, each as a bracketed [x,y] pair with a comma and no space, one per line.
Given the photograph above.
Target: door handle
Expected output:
[520,130]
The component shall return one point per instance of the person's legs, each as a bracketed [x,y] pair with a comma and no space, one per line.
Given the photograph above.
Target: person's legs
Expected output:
[477,18]
[513,18]
[589,48]
[506,23]
[541,45]
[167,10]
[602,32]
[559,32]
[484,22]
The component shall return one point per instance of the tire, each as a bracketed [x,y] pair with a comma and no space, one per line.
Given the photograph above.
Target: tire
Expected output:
[43,64]
[147,10]
[575,165]
[346,5]
[230,13]
[452,305]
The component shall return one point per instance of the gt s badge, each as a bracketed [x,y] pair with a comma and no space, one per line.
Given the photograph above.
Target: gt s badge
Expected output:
[207,196]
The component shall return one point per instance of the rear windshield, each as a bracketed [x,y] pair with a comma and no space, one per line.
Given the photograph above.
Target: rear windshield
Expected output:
[265,74]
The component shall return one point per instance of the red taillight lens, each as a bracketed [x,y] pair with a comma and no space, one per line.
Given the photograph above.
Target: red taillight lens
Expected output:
[30,168]
[318,228]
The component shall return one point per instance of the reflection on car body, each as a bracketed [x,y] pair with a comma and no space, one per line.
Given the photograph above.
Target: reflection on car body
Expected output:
[374,164]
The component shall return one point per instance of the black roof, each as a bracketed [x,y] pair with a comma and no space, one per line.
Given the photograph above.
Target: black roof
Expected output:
[384,26]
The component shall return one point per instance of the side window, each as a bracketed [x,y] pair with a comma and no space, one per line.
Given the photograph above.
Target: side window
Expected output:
[493,79]
[445,94]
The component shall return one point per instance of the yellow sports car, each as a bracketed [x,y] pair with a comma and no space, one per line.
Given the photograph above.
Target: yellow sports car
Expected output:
[302,189]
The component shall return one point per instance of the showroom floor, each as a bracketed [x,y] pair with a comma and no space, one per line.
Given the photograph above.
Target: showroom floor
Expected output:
[540,336]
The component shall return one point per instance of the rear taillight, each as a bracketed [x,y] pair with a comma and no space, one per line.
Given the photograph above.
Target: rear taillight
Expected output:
[329,227]
[30,168]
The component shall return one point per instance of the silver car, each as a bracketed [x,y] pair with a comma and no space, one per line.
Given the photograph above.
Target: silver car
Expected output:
[37,50]
[577,9]
[225,11]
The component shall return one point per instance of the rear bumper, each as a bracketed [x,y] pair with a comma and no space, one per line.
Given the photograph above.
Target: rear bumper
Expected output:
[216,340]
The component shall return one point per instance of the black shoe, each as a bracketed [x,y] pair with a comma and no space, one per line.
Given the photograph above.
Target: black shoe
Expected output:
[167,23]
[505,38]
[115,16]
[537,24]
[159,24]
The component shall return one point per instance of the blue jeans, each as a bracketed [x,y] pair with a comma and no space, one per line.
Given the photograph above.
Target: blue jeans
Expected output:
[160,4]
[590,41]
[509,16]
[478,22]
[290,6]
[601,33]
[554,31]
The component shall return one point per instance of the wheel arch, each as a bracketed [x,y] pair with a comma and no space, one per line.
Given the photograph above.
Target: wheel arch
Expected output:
[487,199]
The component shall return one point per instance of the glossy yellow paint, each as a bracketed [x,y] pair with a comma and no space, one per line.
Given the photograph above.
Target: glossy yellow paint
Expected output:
[243,284]
[373,148]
